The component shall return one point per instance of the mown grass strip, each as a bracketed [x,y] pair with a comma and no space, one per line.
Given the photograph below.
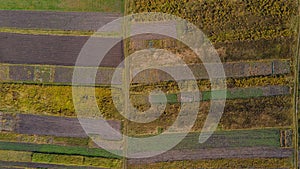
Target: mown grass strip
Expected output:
[56,149]
[64,5]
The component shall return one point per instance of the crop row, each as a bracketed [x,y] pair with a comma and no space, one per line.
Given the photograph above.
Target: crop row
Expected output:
[67,160]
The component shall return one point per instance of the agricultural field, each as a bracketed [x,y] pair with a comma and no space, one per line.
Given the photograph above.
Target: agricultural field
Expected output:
[256,40]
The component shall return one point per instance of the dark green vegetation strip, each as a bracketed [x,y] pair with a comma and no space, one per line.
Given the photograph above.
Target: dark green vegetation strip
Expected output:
[64,5]
[226,139]
[56,149]
[234,138]
[235,93]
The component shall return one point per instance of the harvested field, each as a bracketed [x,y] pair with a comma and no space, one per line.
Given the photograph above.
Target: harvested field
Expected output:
[279,48]
[275,111]
[52,50]
[279,163]
[217,153]
[54,126]
[231,69]
[83,21]
[63,74]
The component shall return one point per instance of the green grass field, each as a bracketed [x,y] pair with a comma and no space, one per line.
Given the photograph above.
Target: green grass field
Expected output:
[115,6]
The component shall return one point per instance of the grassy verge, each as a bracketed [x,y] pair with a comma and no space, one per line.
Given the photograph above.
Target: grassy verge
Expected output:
[64,5]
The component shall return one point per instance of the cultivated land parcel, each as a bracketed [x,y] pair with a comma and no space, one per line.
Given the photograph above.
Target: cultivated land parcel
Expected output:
[257,41]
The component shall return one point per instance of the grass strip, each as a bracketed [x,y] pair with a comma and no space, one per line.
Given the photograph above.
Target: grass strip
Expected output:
[115,6]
